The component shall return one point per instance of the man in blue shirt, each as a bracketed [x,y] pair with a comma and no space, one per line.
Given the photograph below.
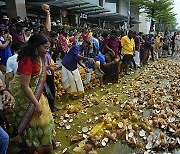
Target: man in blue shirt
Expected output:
[101,62]
[95,42]
[71,78]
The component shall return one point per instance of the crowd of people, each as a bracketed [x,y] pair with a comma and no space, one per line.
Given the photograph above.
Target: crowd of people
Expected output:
[28,59]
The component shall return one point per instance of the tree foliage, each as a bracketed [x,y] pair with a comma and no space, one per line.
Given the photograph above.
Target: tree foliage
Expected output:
[158,10]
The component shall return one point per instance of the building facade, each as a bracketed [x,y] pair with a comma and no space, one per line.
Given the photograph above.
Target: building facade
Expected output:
[101,12]
[108,11]
[143,24]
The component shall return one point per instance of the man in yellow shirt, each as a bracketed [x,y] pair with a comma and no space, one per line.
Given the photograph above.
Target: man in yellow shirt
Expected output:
[128,46]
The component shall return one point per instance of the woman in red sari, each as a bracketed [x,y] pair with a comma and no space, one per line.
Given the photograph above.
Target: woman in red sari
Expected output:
[34,123]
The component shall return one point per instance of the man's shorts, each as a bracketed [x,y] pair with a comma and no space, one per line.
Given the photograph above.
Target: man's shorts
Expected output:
[127,59]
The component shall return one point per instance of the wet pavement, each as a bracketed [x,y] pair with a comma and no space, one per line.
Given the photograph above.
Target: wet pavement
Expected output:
[103,108]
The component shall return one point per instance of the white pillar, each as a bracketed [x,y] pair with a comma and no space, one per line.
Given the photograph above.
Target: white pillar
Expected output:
[16,8]
[60,16]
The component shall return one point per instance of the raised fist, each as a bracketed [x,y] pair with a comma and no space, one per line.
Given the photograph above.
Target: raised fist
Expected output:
[45,8]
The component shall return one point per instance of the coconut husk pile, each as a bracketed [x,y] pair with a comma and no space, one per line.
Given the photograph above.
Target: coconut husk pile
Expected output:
[149,119]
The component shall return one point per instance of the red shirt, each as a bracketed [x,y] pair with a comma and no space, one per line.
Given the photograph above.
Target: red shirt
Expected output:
[85,36]
[63,43]
[71,39]
[105,42]
[28,67]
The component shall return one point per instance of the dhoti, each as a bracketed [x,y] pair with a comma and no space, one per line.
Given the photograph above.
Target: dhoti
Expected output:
[72,80]
[137,58]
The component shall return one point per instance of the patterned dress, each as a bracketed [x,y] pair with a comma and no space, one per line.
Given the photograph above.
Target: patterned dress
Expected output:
[35,133]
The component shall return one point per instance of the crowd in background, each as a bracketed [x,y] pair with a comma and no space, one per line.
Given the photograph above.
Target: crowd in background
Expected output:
[29,55]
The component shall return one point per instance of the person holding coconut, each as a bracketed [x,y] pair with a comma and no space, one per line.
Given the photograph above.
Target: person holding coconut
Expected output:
[113,45]
[71,78]
[49,88]
[33,121]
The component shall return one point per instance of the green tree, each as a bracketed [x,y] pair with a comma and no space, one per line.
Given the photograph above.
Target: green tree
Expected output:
[158,10]
[165,20]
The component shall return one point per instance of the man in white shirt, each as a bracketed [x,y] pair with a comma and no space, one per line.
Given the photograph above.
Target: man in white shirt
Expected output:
[177,43]
[12,64]
[27,34]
